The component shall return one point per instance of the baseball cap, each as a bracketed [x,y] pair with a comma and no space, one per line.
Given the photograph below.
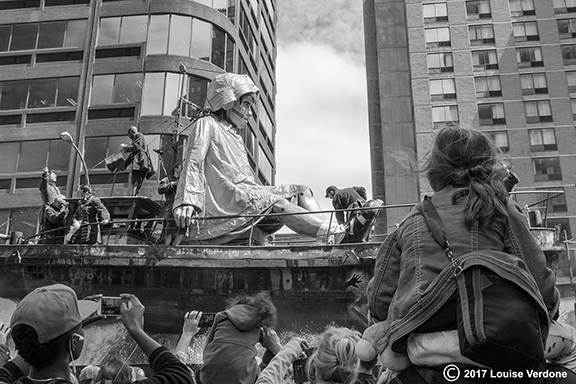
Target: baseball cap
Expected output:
[330,189]
[52,311]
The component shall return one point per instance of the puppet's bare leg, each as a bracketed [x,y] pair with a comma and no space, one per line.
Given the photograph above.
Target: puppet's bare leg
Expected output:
[309,224]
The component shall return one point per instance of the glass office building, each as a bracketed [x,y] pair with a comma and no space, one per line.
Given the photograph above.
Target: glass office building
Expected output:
[95,67]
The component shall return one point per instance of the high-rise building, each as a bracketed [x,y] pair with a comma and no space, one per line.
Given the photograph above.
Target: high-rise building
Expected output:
[506,67]
[94,67]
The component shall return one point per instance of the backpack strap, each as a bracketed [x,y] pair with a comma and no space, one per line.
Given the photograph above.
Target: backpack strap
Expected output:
[427,209]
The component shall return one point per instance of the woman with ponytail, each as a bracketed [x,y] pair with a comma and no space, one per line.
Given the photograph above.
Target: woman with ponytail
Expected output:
[414,323]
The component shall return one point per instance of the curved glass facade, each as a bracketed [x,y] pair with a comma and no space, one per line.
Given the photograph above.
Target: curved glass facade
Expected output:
[170,34]
[58,74]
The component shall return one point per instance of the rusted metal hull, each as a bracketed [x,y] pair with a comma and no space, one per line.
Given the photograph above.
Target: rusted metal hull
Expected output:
[311,286]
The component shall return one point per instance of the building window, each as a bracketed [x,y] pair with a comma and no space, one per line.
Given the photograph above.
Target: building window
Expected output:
[98,148]
[526,31]
[246,33]
[573,104]
[547,169]
[159,96]
[61,34]
[55,3]
[522,8]
[569,54]
[444,114]
[40,93]
[116,89]
[571,80]
[437,37]
[435,12]
[500,139]
[187,36]
[542,140]
[478,9]
[265,121]
[9,156]
[538,111]
[485,60]
[556,203]
[488,86]
[481,34]
[122,30]
[533,83]
[566,28]
[440,62]
[529,57]
[442,89]
[265,165]
[18,4]
[197,88]
[564,6]
[491,114]
[32,156]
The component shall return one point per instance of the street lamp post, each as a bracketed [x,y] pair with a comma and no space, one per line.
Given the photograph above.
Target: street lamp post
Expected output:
[68,138]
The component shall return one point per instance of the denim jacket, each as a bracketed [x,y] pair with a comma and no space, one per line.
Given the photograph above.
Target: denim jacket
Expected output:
[410,259]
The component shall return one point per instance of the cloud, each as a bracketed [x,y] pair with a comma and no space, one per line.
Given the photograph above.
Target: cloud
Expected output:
[322,119]
[335,23]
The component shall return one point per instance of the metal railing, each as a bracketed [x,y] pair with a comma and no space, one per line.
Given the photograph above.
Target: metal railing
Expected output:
[140,228]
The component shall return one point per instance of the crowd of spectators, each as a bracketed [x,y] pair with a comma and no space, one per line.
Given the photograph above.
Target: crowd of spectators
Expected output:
[47,333]
[48,336]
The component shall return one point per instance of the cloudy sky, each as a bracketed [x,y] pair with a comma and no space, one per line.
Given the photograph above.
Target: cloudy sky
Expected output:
[322,113]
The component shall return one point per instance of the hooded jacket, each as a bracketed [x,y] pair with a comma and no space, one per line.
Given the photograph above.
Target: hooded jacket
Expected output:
[229,354]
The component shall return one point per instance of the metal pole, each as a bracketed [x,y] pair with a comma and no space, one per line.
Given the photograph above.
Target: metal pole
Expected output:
[83,163]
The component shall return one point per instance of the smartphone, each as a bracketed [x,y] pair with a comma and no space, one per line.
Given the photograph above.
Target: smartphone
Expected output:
[206,320]
[110,306]
[299,367]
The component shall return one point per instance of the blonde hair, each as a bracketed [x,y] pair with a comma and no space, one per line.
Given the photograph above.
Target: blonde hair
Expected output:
[334,358]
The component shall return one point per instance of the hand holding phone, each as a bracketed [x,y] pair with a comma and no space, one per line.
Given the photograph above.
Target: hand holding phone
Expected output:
[191,320]
[299,366]
[110,306]
[206,320]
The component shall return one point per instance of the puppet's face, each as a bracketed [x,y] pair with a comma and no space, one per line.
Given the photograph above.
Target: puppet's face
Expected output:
[52,177]
[241,111]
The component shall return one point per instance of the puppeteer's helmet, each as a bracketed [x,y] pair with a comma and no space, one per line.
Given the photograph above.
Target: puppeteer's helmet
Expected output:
[226,88]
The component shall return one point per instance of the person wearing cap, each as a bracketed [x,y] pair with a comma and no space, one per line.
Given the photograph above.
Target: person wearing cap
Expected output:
[48,335]
[89,213]
[139,158]
[358,221]
[344,198]
[217,179]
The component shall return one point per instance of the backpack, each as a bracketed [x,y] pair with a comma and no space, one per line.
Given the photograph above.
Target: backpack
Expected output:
[502,320]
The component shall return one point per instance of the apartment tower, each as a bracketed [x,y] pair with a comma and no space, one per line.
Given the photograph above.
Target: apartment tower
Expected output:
[506,67]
